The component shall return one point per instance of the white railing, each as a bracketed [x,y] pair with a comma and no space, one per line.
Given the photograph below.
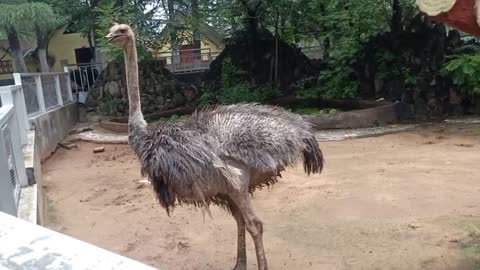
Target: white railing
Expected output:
[82,78]
[189,60]
[13,134]
[44,91]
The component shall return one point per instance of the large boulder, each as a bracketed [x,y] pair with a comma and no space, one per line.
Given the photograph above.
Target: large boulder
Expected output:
[160,90]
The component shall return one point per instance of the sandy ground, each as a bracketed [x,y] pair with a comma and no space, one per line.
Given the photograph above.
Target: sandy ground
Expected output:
[400,201]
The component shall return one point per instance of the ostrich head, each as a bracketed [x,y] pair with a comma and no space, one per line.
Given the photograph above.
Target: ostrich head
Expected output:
[121,35]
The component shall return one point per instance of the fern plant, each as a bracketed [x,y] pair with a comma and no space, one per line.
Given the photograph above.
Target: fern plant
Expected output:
[464,70]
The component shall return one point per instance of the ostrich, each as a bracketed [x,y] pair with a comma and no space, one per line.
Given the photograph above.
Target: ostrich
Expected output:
[219,155]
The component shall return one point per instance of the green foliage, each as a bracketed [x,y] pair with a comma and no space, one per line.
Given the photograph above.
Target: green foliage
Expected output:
[474,231]
[333,82]
[121,14]
[208,96]
[390,65]
[109,106]
[465,72]
[176,117]
[235,88]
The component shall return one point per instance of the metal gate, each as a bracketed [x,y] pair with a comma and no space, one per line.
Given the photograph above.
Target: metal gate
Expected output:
[83,77]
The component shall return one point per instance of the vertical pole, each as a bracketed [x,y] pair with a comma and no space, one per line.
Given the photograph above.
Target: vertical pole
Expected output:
[40,97]
[69,84]
[17,151]
[12,98]
[7,199]
[58,90]
[17,78]
[22,108]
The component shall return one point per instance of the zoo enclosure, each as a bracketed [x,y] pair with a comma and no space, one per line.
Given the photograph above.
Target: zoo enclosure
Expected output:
[13,134]
[33,94]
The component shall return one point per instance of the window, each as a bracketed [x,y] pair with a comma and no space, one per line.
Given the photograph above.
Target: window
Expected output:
[6,67]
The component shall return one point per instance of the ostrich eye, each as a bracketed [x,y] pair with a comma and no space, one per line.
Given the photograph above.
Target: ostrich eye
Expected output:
[122,31]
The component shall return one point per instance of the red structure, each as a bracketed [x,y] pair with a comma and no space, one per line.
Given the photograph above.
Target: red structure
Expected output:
[464,15]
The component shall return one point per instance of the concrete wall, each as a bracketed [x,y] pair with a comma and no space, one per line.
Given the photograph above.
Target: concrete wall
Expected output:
[52,127]
[382,115]
[28,246]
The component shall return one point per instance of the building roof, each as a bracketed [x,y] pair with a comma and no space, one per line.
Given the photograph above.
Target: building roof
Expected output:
[206,30]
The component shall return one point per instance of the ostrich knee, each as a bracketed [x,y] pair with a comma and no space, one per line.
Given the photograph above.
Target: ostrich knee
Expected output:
[255,228]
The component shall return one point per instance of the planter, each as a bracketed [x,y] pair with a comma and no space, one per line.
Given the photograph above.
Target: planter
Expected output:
[116,125]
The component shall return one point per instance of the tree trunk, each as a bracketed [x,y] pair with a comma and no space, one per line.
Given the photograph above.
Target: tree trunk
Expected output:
[91,41]
[196,25]
[14,44]
[42,56]
[275,77]
[396,21]
[42,48]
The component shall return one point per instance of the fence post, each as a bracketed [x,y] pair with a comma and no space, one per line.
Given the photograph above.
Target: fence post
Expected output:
[12,97]
[22,108]
[17,151]
[7,199]
[40,97]
[58,90]
[20,102]
[69,84]
[17,78]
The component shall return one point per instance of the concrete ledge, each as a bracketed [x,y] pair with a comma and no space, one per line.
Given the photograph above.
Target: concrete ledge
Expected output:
[52,127]
[28,246]
[27,207]
[31,203]
[377,116]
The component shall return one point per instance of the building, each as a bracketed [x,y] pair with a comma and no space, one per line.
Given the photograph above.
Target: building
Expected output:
[63,48]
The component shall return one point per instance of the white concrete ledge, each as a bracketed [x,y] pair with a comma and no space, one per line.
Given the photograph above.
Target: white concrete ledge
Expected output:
[28,246]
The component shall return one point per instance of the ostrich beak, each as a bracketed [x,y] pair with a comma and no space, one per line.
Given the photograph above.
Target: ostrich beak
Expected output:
[111,36]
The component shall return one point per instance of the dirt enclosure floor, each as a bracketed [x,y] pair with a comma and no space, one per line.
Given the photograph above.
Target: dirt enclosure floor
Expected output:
[401,201]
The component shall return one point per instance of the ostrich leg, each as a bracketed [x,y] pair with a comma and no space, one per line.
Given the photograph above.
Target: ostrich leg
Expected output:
[241,250]
[253,225]
[243,201]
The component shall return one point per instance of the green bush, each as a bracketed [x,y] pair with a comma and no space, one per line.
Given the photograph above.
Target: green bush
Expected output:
[235,88]
[464,70]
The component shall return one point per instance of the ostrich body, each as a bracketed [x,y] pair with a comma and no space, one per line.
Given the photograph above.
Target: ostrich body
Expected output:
[217,156]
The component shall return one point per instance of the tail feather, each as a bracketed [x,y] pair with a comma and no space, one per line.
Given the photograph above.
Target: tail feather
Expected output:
[312,156]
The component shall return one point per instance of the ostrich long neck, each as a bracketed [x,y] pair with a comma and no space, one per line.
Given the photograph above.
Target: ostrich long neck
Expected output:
[135,117]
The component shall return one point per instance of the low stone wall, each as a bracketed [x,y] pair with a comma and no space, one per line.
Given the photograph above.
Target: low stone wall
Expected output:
[376,116]
[28,246]
[31,206]
[52,127]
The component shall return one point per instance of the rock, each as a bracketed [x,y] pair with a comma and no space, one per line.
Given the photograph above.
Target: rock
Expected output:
[113,89]
[99,150]
[94,117]
[159,90]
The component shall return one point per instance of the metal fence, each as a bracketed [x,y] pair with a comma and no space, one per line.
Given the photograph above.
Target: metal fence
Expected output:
[33,94]
[82,78]
[188,60]
[44,91]
[13,134]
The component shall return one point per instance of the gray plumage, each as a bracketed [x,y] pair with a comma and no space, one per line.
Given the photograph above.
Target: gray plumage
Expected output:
[186,159]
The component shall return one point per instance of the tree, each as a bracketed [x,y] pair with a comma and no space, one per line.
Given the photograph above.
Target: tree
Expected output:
[22,18]
[12,23]
[45,21]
